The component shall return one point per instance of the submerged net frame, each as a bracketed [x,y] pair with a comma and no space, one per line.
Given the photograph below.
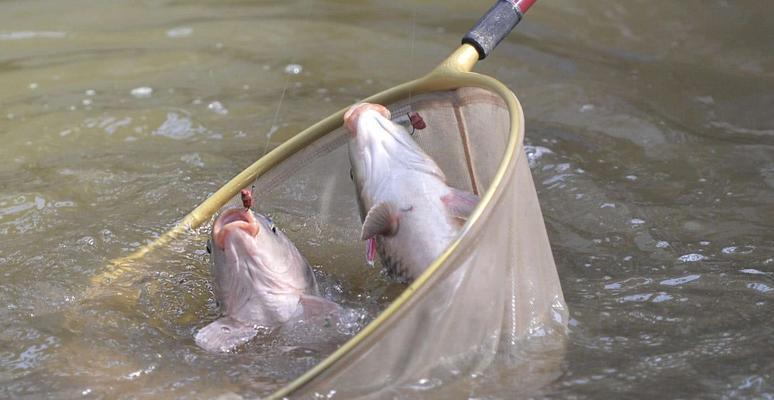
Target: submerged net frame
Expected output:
[494,287]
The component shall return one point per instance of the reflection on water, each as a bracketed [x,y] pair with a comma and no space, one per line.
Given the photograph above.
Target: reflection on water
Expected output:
[649,135]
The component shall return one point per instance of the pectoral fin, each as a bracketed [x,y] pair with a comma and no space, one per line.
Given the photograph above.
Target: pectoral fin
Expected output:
[224,335]
[318,306]
[382,219]
[460,203]
[317,311]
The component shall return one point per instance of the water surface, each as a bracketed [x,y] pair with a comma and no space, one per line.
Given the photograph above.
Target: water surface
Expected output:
[649,129]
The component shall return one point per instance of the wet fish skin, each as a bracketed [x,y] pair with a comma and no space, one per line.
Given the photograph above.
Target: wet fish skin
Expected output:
[409,212]
[260,279]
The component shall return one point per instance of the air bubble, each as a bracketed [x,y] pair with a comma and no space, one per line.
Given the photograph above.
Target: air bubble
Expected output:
[142,92]
[217,107]
[293,69]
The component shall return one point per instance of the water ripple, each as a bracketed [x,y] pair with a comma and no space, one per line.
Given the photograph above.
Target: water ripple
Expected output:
[21,35]
[680,280]
[693,257]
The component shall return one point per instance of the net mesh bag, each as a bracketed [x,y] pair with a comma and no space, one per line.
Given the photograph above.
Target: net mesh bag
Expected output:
[494,294]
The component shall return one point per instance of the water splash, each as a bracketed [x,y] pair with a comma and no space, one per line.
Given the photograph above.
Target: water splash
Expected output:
[534,153]
[177,127]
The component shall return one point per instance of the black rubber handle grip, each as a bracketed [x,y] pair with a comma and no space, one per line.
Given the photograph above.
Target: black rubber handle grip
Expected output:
[495,25]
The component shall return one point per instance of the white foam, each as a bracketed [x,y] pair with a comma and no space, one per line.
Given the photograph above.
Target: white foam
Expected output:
[693,257]
[752,271]
[293,69]
[142,92]
[179,32]
[20,35]
[193,159]
[761,287]
[217,107]
[681,280]
[534,153]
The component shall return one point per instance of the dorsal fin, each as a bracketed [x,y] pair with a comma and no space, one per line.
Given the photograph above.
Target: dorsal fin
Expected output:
[382,219]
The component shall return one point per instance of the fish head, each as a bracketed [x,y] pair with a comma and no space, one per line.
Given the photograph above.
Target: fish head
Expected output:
[353,114]
[248,251]
[379,147]
[366,124]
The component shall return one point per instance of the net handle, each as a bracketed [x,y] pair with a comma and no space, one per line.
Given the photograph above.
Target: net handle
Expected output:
[495,25]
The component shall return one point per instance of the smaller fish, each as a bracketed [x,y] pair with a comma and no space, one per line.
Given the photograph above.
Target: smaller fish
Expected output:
[260,279]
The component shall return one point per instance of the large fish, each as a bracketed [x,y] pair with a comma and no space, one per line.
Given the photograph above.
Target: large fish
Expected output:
[259,278]
[410,214]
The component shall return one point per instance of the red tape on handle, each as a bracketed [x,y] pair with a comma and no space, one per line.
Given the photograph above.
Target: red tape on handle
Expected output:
[523,5]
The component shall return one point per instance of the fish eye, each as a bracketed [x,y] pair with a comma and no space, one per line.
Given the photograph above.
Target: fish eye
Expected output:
[271,224]
[209,249]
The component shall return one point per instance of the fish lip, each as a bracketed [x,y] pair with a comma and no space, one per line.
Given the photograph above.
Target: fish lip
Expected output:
[353,113]
[232,220]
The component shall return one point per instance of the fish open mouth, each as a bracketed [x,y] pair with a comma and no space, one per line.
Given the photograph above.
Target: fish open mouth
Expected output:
[233,220]
[354,112]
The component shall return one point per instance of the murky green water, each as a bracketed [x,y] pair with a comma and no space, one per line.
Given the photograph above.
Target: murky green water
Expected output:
[649,126]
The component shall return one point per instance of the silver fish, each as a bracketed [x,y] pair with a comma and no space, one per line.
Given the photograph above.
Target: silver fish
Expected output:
[410,215]
[260,279]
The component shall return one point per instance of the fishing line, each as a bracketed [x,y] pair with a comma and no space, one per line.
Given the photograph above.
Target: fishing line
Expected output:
[411,54]
[276,116]
[274,127]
